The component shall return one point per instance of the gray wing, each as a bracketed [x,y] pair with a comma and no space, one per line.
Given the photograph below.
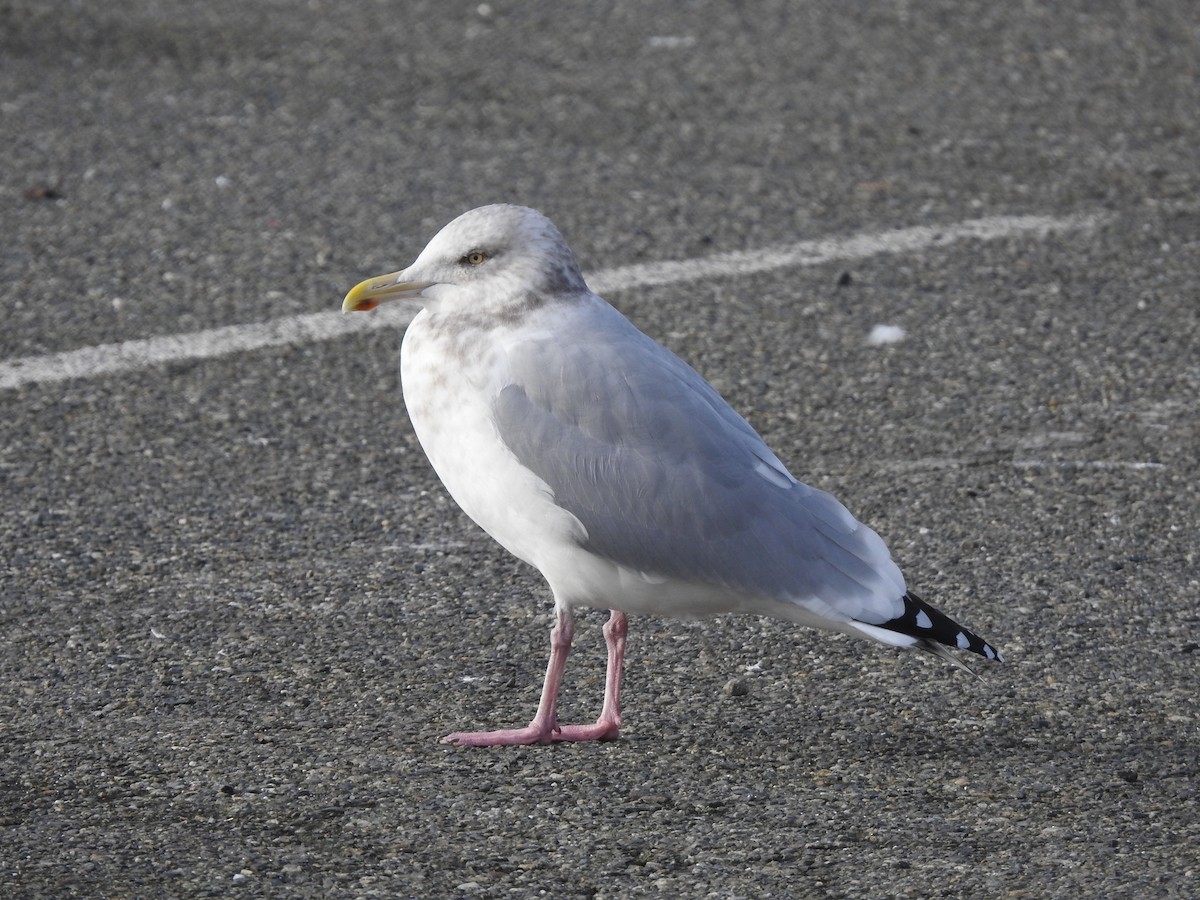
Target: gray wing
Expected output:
[670,481]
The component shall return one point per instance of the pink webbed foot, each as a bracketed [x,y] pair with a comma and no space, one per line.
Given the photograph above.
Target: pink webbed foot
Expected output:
[533,733]
[544,729]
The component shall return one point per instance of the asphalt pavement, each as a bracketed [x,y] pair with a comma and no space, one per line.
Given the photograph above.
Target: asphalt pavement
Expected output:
[237,609]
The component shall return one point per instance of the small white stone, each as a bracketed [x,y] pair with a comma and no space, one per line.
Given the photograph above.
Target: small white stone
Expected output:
[885,334]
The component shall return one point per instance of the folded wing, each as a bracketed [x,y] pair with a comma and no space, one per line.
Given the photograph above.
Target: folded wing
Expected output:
[668,480]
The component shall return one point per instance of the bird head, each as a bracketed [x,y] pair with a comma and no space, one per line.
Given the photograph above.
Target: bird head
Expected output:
[486,260]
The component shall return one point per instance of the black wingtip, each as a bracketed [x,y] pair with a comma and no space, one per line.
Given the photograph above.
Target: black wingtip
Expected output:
[934,627]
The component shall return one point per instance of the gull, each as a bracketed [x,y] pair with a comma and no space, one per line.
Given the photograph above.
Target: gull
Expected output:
[599,457]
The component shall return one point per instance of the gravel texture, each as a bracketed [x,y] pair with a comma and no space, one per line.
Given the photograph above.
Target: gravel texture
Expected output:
[237,610]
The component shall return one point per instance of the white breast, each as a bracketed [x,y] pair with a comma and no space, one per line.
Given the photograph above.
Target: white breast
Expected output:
[450,380]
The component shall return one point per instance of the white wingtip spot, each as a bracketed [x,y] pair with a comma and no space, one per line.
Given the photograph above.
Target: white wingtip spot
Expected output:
[988,652]
[962,642]
[923,620]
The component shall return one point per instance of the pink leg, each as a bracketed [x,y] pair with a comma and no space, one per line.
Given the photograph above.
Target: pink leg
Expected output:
[545,728]
[609,723]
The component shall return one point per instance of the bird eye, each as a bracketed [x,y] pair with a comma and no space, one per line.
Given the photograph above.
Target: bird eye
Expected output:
[475,258]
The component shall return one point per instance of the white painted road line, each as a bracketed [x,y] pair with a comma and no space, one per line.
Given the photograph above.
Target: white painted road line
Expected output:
[929,463]
[815,253]
[112,359]
[1085,464]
